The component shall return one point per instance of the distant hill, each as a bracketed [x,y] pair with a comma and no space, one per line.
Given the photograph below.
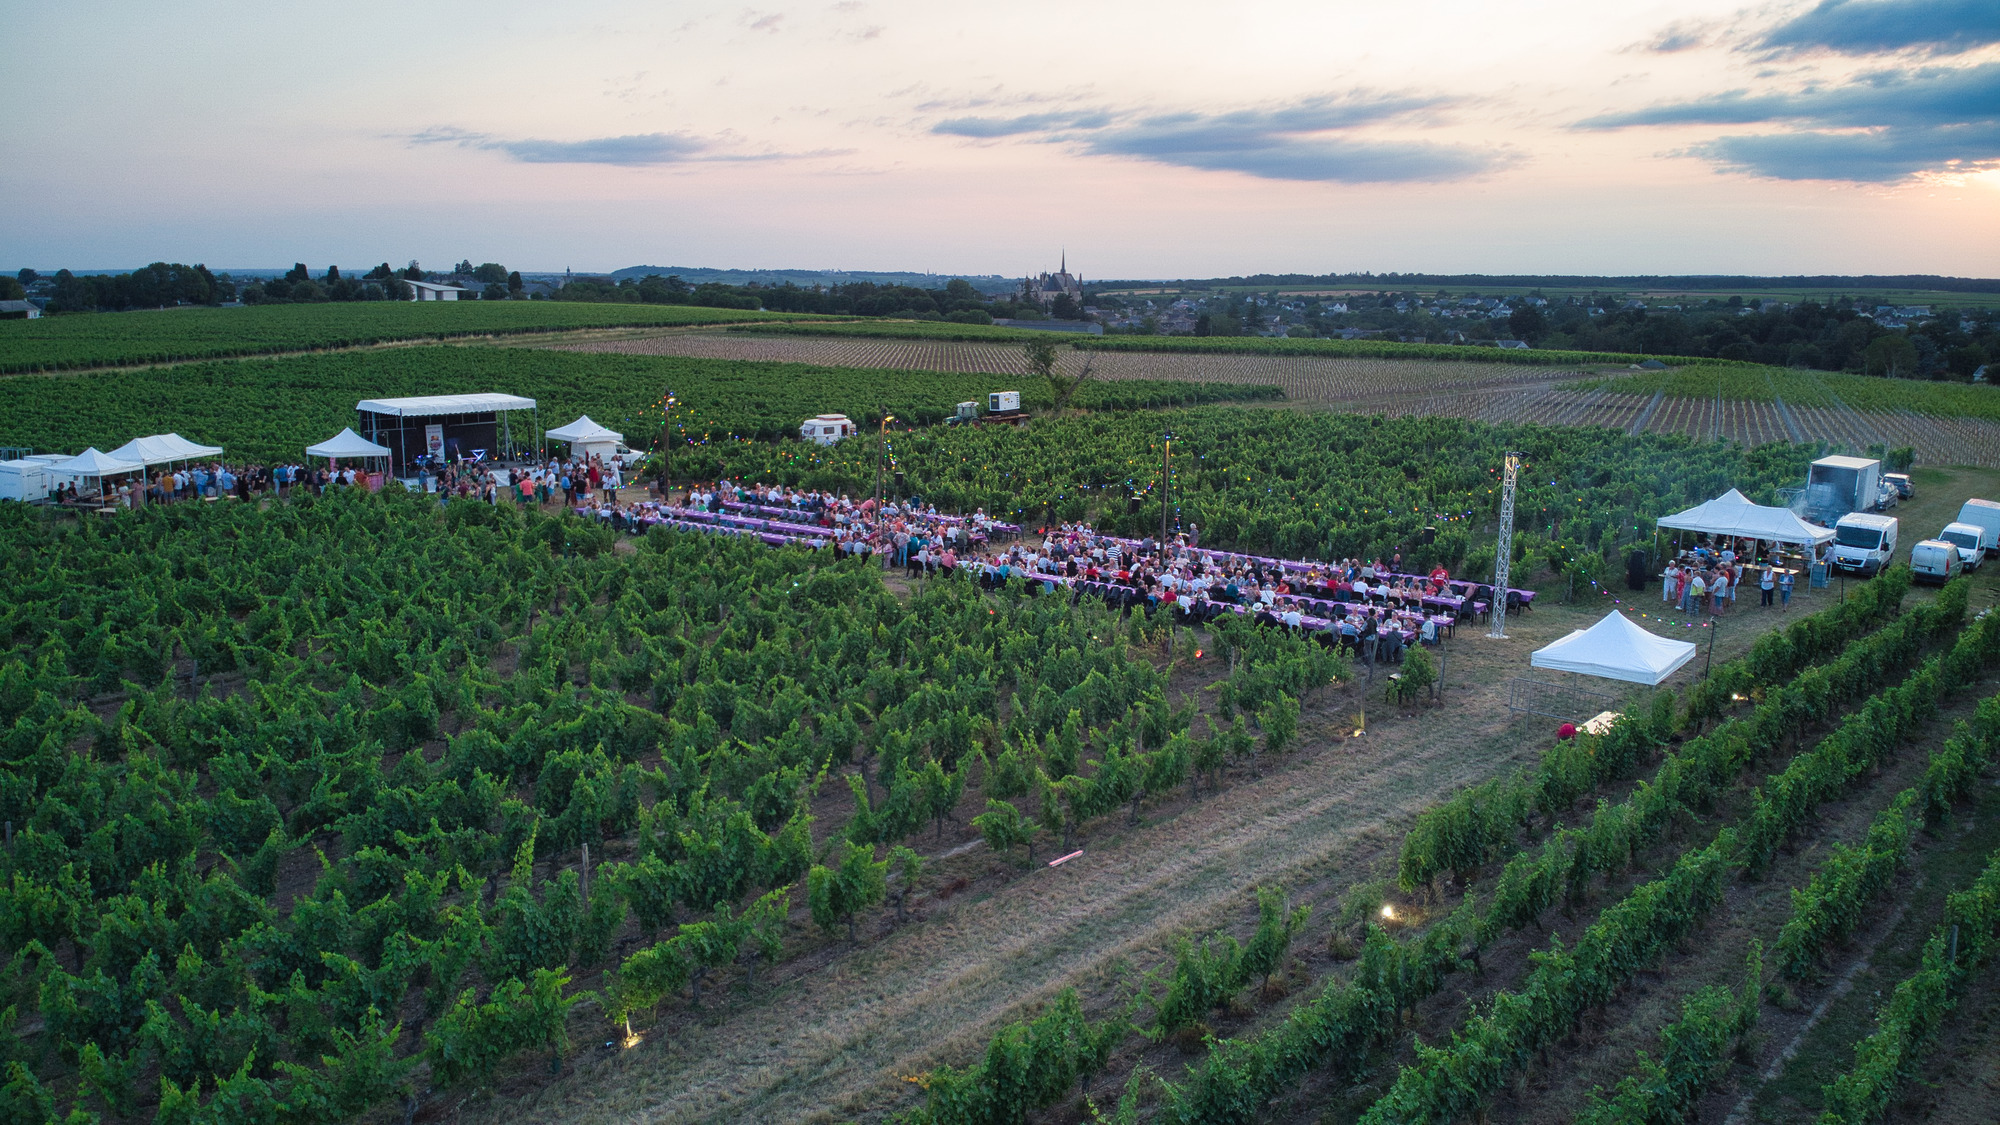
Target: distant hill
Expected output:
[696,275]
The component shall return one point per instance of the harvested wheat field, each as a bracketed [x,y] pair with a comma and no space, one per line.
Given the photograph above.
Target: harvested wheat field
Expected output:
[1487,392]
[1311,380]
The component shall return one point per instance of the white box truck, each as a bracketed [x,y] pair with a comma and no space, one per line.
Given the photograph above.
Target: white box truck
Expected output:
[1836,486]
[1864,542]
[1984,515]
[1970,541]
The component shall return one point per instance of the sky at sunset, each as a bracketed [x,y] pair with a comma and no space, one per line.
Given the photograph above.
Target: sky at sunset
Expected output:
[1150,140]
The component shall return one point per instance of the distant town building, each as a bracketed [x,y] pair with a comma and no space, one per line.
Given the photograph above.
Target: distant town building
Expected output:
[19,310]
[431,291]
[1045,289]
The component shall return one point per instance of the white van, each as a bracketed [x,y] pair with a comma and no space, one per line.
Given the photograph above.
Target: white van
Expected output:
[1984,515]
[1864,542]
[1935,560]
[1970,541]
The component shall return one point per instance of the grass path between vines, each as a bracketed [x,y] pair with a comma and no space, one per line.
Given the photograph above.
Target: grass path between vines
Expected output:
[841,1028]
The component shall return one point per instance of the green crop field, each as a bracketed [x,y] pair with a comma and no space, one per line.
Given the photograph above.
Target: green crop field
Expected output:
[351,807]
[1802,387]
[85,340]
[266,409]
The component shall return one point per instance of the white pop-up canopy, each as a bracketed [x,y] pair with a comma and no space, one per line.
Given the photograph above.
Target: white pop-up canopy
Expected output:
[586,432]
[348,444]
[94,462]
[162,449]
[1732,513]
[1616,649]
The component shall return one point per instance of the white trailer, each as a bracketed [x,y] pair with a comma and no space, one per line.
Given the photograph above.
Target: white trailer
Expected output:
[24,480]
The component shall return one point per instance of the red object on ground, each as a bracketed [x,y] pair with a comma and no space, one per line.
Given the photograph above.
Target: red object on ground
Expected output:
[1567,730]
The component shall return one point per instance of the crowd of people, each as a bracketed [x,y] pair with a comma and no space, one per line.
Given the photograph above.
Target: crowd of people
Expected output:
[210,480]
[1353,601]
[1707,578]
[576,481]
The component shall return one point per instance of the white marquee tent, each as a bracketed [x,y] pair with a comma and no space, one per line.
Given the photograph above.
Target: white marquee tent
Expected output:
[347,444]
[163,449]
[94,464]
[586,437]
[1616,649]
[1732,513]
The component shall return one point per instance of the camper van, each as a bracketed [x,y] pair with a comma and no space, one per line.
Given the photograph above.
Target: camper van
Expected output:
[1864,542]
[825,429]
[1969,539]
[1934,560]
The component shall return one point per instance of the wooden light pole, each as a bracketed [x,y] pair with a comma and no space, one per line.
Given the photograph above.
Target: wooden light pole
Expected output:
[1166,485]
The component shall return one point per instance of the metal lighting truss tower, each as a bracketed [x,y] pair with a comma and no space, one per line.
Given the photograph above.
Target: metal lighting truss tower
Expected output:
[1503,558]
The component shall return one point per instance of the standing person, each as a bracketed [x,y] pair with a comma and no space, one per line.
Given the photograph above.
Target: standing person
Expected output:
[1670,582]
[1697,595]
[1768,584]
[1785,590]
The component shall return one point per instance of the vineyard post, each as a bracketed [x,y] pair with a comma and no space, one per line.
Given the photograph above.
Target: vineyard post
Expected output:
[1166,485]
[583,882]
[1709,661]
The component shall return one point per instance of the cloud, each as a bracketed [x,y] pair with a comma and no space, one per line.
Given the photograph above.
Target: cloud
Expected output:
[1867,27]
[1303,140]
[1679,37]
[1877,157]
[1923,97]
[637,148]
[988,128]
[1882,126]
[632,150]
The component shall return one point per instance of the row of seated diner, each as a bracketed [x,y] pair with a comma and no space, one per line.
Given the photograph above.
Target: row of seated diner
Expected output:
[1331,614]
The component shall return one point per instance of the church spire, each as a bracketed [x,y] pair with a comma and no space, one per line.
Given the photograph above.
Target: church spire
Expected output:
[1065,260]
